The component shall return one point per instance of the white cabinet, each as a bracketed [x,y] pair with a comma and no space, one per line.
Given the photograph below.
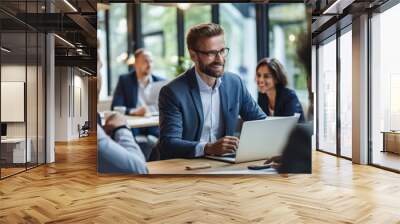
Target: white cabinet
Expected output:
[13,150]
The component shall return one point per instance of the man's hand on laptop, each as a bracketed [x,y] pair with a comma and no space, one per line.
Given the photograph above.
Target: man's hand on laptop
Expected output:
[227,144]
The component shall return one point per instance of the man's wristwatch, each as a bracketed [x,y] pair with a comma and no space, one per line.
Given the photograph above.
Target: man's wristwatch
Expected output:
[116,129]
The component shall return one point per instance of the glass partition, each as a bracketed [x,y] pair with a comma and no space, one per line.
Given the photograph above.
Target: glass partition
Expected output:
[22,91]
[13,109]
[385,89]
[346,94]
[327,97]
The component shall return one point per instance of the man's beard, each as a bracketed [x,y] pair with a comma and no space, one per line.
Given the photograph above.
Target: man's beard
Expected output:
[207,69]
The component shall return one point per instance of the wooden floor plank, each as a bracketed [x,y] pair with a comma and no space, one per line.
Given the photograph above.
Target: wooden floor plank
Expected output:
[70,191]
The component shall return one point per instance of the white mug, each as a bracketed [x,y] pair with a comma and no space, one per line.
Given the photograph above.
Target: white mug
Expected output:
[120,109]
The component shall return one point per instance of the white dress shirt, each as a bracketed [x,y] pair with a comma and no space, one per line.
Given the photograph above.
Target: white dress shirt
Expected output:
[144,96]
[212,114]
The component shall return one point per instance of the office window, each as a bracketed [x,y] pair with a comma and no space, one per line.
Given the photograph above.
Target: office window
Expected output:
[160,37]
[238,21]
[195,15]
[385,85]
[102,37]
[327,97]
[286,22]
[346,94]
[118,36]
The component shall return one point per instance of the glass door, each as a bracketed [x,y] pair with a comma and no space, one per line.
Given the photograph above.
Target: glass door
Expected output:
[326,97]
[385,89]
[346,93]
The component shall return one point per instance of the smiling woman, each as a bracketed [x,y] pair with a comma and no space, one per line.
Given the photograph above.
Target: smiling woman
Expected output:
[274,98]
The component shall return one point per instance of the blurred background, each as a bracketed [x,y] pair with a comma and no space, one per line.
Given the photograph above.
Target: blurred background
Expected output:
[252,31]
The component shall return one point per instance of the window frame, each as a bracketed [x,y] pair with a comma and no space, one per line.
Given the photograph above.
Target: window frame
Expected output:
[336,36]
[135,34]
[381,9]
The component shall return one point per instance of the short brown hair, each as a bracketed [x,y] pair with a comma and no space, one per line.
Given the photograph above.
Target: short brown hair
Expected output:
[138,52]
[278,71]
[200,31]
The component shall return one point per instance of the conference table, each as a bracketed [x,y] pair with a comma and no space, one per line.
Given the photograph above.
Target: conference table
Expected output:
[142,121]
[135,121]
[178,166]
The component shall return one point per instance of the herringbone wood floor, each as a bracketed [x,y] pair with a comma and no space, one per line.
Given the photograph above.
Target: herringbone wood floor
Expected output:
[70,191]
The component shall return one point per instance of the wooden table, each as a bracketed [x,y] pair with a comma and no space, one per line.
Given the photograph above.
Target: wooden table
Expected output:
[135,121]
[177,166]
[142,122]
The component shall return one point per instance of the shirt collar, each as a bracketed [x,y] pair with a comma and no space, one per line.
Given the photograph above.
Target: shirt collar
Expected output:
[203,85]
[150,82]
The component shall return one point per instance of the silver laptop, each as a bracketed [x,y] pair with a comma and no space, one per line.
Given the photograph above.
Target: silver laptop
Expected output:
[261,139]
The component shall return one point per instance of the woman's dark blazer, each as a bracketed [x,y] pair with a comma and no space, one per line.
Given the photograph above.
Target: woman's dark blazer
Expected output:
[286,103]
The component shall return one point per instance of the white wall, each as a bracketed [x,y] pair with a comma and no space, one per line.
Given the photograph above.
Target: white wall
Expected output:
[33,127]
[13,73]
[71,102]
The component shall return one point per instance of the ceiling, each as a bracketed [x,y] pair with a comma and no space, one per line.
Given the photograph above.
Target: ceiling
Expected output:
[330,15]
[73,20]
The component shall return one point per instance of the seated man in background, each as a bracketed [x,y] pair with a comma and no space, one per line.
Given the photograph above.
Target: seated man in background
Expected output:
[134,91]
[199,110]
[119,154]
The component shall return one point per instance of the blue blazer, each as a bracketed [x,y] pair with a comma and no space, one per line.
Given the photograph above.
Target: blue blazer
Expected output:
[126,92]
[286,103]
[181,113]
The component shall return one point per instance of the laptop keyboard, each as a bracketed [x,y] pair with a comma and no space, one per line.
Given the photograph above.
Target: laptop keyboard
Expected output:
[229,155]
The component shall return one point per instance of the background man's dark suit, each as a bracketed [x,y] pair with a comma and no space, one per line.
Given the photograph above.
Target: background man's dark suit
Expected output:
[126,94]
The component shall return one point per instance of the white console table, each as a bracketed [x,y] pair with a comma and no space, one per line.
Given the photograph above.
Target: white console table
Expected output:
[13,150]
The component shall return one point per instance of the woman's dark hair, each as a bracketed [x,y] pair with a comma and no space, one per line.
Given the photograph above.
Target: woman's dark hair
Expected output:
[278,72]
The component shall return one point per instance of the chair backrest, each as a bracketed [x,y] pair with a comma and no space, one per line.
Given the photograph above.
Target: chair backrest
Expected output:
[86,125]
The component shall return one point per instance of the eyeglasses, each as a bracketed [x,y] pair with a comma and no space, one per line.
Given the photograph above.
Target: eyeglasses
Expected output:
[213,54]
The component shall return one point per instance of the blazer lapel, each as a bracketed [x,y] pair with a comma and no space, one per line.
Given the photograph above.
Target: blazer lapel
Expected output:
[278,100]
[195,93]
[223,95]
[134,89]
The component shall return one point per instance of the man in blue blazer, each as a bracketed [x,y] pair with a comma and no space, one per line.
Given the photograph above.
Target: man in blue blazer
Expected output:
[199,110]
[131,90]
